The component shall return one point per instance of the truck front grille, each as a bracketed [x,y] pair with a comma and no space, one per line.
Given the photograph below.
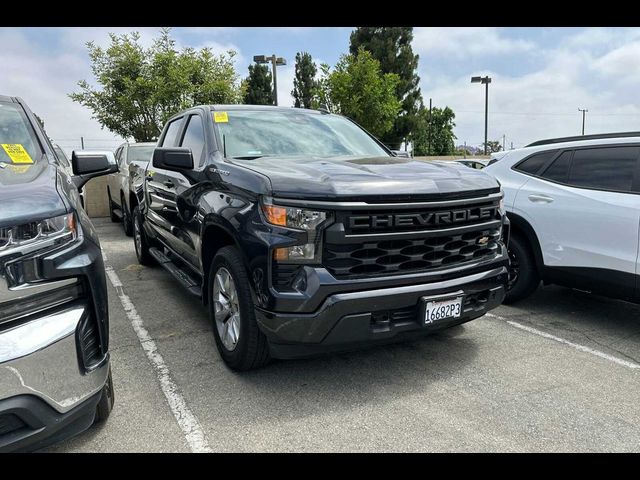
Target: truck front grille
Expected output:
[384,250]
[390,257]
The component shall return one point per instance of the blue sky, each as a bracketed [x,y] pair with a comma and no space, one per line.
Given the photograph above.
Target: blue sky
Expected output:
[541,76]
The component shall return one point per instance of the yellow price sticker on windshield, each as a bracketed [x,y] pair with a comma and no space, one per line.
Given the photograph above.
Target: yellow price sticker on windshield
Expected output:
[220,117]
[17,153]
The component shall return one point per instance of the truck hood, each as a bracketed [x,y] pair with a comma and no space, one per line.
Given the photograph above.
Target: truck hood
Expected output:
[366,176]
[28,193]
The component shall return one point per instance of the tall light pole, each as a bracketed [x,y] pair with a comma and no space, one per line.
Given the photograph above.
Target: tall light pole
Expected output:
[583,110]
[486,81]
[275,61]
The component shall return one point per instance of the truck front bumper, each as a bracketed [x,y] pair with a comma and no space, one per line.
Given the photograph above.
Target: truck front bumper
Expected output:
[54,358]
[352,319]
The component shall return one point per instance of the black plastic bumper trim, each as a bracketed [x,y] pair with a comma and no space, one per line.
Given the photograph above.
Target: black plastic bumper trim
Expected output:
[44,425]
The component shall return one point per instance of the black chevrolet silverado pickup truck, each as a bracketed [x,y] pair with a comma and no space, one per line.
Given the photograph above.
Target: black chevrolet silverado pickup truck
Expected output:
[304,234]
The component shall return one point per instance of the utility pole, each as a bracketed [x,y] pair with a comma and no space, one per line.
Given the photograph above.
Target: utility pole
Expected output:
[503,141]
[275,61]
[583,110]
[465,149]
[82,142]
[486,81]
[429,143]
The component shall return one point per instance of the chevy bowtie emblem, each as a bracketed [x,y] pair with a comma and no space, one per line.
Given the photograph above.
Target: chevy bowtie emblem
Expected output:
[483,240]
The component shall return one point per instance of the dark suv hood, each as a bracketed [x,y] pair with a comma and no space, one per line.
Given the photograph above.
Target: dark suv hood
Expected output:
[375,176]
[28,194]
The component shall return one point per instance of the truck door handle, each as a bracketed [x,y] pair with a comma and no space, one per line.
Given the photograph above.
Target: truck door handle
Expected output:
[540,198]
[168,184]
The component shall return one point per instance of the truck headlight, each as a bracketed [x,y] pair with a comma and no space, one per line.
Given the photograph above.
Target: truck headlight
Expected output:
[298,219]
[33,236]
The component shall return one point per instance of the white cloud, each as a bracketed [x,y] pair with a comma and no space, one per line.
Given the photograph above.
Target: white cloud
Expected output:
[544,103]
[43,81]
[465,41]
[286,74]
[623,63]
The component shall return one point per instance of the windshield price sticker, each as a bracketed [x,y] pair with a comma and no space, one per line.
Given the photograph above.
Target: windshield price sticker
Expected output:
[220,117]
[17,153]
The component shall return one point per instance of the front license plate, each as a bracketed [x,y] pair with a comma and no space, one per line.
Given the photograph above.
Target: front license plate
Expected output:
[442,309]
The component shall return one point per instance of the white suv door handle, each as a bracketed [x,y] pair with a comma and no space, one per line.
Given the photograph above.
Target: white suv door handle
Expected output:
[540,198]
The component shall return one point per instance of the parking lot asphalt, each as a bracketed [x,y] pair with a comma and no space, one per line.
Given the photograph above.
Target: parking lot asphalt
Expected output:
[559,372]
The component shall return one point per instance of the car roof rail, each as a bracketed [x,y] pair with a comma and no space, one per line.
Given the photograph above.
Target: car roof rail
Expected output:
[577,138]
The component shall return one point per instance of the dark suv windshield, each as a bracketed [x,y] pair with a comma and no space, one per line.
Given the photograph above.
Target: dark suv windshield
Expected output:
[256,133]
[18,143]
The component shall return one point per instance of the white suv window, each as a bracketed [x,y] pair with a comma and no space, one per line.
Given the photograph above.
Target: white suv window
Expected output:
[610,168]
[535,162]
[559,169]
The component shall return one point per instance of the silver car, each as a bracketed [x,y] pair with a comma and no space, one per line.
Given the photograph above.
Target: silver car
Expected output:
[132,161]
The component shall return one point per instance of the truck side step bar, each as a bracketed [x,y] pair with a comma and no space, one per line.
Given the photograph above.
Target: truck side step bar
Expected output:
[186,280]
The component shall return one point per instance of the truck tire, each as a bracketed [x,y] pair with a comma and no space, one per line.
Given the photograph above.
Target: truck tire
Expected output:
[114,218]
[127,222]
[105,405]
[140,240]
[240,342]
[523,274]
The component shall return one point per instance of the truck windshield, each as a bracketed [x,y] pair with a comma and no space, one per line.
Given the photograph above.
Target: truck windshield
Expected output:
[251,134]
[18,142]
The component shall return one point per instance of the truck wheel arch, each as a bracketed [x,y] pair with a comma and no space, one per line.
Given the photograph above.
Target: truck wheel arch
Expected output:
[214,237]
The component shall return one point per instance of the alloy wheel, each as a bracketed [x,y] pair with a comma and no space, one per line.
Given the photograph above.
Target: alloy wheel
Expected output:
[226,308]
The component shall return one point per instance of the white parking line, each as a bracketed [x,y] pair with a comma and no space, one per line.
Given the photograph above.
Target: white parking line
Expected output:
[577,346]
[187,421]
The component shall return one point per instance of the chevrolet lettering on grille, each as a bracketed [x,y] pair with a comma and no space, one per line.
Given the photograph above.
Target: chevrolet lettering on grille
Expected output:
[429,219]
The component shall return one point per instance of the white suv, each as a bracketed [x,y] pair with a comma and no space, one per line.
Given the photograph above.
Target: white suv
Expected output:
[574,207]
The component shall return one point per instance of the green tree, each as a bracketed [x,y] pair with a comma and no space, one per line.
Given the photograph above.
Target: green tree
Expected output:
[321,93]
[391,46]
[304,83]
[259,86]
[493,146]
[358,89]
[440,127]
[140,88]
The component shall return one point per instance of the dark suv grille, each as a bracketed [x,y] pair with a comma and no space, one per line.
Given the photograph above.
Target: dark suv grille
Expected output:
[370,251]
[405,256]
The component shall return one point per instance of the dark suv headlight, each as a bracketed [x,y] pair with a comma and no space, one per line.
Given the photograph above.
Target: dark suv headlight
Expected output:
[297,219]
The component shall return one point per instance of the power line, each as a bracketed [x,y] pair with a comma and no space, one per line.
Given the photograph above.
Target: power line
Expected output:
[554,113]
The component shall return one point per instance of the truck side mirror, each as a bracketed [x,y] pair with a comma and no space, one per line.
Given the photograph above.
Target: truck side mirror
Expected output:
[172,158]
[88,164]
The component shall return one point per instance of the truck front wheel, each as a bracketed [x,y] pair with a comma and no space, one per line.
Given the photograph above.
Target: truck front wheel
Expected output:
[240,342]
[126,218]
[140,240]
